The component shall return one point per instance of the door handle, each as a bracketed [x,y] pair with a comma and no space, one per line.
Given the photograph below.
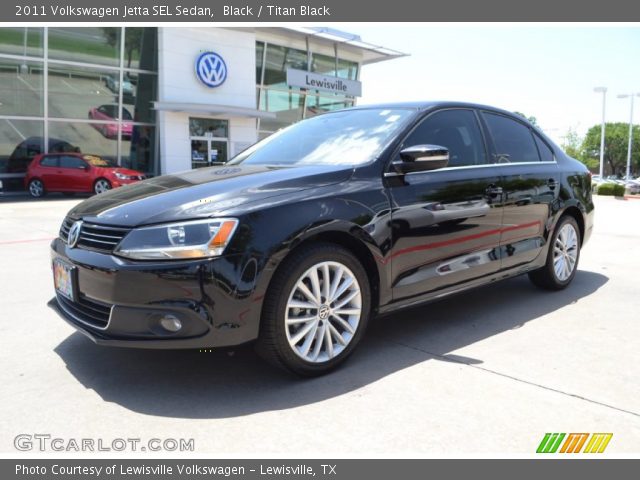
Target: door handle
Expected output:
[493,191]
[552,183]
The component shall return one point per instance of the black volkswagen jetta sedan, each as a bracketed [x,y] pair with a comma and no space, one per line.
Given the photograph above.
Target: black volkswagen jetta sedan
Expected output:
[299,240]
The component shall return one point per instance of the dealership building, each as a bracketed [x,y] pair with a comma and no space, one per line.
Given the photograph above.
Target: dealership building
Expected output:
[163,100]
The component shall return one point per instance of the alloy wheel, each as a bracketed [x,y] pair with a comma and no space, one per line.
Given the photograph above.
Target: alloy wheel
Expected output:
[102,186]
[565,252]
[323,312]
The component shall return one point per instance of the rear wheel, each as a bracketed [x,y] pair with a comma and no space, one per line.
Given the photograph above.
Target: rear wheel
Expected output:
[562,259]
[316,310]
[36,188]
[101,186]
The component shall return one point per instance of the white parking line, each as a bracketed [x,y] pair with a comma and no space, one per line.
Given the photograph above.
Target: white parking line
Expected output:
[15,129]
[27,84]
[71,87]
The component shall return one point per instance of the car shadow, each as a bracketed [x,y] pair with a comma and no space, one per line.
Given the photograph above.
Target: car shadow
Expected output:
[221,384]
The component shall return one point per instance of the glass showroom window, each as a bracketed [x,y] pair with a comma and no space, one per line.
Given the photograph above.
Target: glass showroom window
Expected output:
[291,104]
[96,95]
[23,41]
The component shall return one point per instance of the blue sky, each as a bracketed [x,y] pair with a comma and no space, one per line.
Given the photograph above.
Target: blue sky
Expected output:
[545,71]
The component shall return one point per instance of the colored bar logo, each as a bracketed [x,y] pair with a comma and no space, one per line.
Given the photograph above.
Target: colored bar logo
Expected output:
[574,442]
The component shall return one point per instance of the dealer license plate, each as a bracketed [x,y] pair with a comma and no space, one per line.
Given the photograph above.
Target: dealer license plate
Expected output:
[63,276]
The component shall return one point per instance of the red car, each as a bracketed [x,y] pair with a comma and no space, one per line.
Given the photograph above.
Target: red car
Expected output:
[109,113]
[74,173]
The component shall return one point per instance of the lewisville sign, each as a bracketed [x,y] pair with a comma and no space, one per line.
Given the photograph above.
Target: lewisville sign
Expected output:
[324,83]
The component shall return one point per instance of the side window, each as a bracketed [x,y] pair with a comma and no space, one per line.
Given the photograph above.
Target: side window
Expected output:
[457,130]
[513,140]
[49,162]
[546,154]
[71,162]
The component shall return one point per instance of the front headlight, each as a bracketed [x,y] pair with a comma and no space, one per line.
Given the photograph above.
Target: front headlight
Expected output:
[122,176]
[194,239]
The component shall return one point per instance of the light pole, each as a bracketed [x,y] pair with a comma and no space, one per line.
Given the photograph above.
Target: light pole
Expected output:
[602,90]
[629,95]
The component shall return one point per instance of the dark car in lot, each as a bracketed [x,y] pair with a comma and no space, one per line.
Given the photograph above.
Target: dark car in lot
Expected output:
[297,242]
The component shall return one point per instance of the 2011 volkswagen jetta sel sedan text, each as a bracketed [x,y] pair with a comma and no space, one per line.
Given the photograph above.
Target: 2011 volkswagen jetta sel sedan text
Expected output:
[300,239]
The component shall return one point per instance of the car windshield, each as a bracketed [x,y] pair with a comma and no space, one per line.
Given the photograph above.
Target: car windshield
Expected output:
[97,161]
[347,137]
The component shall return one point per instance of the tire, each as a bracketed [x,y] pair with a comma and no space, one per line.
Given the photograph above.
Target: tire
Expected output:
[563,257]
[101,186]
[36,188]
[284,343]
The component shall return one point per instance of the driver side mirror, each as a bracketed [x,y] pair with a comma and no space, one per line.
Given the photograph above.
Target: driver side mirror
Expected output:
[419,158]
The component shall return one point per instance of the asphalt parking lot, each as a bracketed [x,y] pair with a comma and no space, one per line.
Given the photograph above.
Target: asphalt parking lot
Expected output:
[488,371]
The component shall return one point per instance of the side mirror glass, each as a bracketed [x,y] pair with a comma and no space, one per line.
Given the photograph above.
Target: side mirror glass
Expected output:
[419,158]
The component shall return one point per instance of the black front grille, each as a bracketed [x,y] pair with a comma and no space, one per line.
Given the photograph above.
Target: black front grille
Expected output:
[101,238]
[85,310]
[64,228]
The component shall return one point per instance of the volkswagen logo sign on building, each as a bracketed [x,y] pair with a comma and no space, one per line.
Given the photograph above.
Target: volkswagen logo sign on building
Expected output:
[74,233]
[211,69]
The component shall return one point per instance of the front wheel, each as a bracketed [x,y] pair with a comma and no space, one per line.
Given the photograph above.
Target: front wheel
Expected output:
[562,259]
[316,310]
[101,186]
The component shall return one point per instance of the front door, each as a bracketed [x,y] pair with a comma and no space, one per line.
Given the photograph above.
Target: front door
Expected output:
[209,141]
[445,223]
[206,152]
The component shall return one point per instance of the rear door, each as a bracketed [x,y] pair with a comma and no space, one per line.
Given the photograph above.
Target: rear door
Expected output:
[531,186]
[445,223]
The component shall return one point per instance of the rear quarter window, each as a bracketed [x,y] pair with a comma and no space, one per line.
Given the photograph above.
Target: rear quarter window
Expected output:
[513,140]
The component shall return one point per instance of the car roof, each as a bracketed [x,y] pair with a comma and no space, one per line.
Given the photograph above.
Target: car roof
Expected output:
[429,104]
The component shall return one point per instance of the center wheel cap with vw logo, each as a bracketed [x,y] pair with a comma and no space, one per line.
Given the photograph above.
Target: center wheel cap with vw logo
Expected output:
[211,69]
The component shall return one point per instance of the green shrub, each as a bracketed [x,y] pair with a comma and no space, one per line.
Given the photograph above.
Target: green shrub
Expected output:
[610,189]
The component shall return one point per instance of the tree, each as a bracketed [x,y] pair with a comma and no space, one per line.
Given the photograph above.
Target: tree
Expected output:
[132,40]
[532,120]
[616,139]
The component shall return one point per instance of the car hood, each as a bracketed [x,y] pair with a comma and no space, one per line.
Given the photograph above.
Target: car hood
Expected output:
[202,193]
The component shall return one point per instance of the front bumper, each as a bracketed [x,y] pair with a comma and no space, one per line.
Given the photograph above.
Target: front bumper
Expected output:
[121,303]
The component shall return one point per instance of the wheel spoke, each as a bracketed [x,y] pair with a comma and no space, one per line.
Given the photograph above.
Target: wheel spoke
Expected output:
[319,337]
[343,323]
[342,288]
[315,283]
[336,334]
[304,349]
[328,341]
[326,286]
[300,304]
[350,296]
[303,332]
[307,293]
[334,284]
[347,311]
[297,320]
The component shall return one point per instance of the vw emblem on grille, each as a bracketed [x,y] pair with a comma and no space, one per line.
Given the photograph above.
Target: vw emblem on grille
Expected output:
[211,69]
[74,233]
